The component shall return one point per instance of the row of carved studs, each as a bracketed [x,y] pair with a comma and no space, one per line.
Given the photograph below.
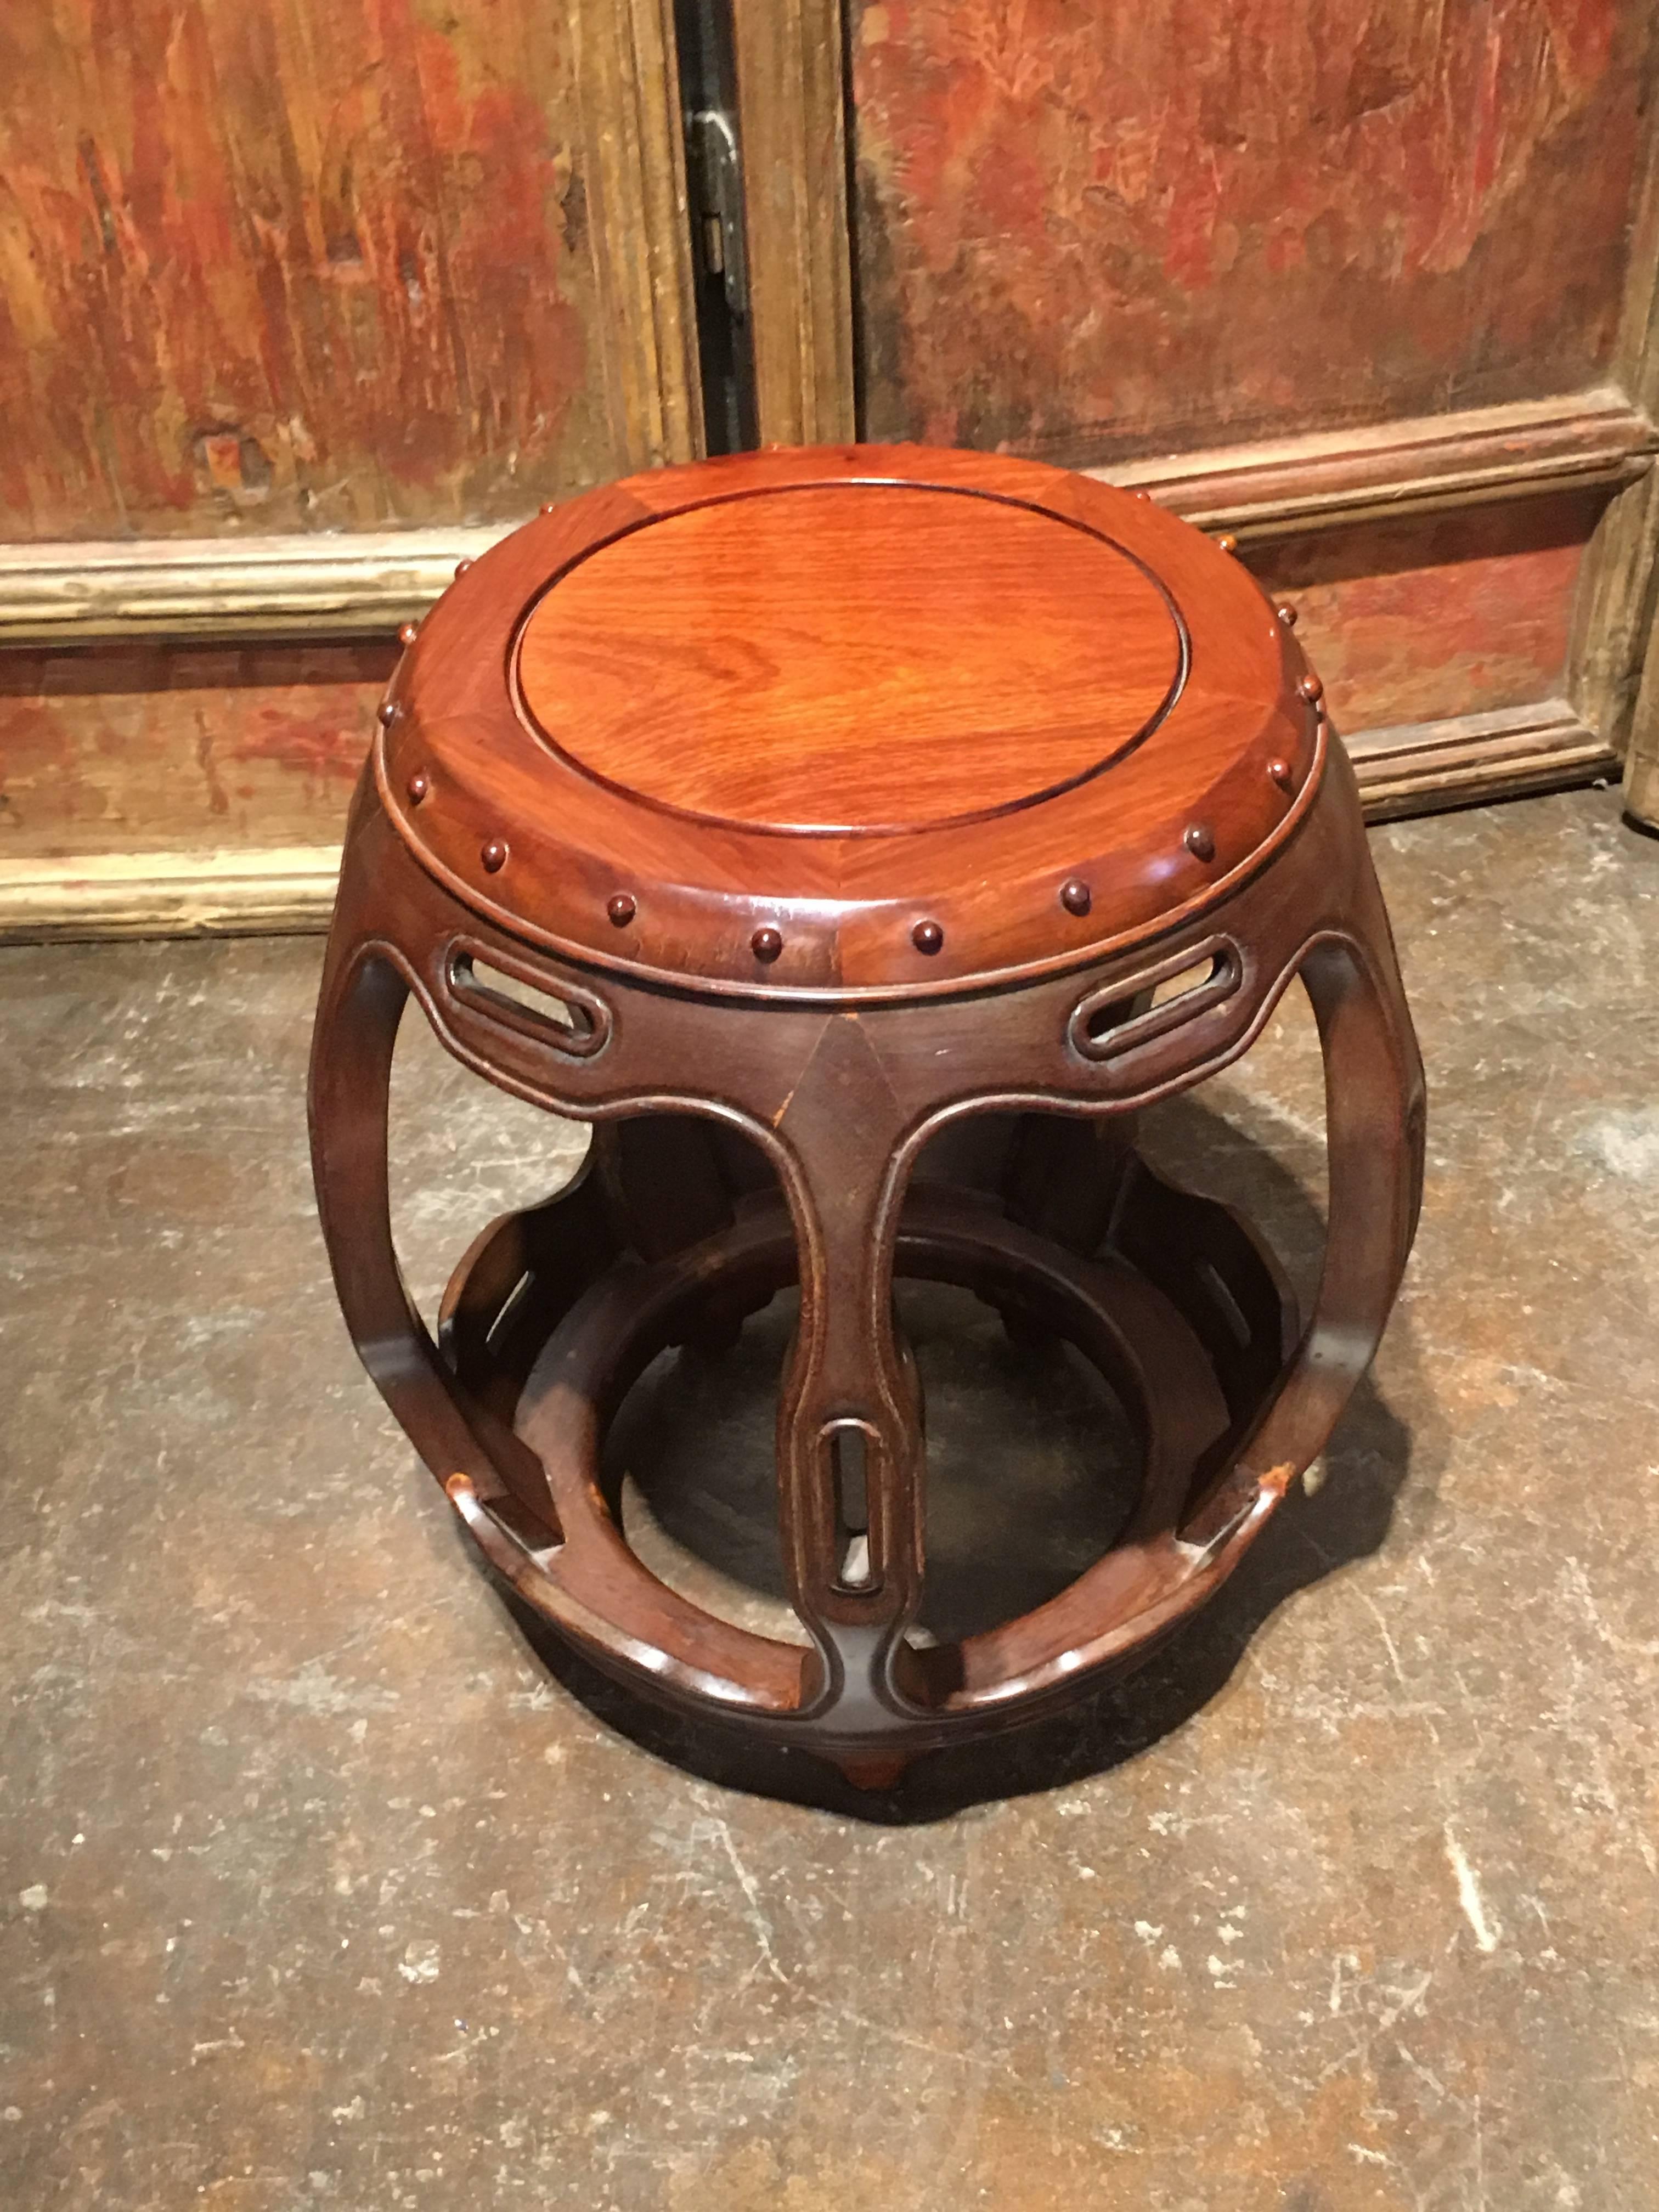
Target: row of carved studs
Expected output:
[927,936]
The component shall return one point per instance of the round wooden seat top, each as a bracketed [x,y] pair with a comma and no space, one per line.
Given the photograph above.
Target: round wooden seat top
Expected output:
[848,723]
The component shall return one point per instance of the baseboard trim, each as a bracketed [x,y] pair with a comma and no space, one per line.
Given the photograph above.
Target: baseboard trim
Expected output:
[1417,767]
[1422,767]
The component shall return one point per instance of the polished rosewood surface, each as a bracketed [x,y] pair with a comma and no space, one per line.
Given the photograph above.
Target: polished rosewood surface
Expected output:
[849,722]
[858,838]
[861,656]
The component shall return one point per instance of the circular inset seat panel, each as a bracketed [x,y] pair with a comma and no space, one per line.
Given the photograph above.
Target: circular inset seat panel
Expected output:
[881,680]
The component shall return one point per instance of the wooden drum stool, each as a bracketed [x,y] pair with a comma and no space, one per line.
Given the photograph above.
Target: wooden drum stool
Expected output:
[781,816]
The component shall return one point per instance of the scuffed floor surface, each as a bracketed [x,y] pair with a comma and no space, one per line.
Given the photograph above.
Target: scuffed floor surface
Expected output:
[320,1888]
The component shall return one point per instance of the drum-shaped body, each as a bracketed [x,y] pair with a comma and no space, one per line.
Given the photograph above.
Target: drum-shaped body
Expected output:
[858,837]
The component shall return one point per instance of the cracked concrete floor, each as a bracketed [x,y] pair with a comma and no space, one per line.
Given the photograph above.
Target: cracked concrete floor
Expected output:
[323,1885]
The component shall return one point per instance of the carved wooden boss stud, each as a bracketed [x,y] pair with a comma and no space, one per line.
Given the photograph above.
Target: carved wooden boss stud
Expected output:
[834,798]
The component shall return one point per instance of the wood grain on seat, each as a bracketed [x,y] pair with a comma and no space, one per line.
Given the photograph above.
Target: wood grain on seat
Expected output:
[841,656]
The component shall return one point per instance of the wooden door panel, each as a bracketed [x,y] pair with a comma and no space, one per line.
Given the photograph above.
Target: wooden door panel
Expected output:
[301,303]
[158,748]
[1294,262]
[290,265]
[1431,616]
[1089,229]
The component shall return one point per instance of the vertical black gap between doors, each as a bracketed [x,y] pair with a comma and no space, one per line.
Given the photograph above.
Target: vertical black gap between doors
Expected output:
[714,173]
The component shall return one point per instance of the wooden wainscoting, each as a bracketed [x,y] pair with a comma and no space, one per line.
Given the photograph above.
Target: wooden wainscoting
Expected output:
[187,718]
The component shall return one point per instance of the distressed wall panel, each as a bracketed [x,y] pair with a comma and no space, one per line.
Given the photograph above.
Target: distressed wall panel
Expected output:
[153,748]
[1088,228]
[1453,615]
[289,263]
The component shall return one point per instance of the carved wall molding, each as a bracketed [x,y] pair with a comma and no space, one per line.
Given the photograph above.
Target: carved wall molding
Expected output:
[639,224]
[167,894]
[794,158]
[1421,768]
[370,582]
[211,588]
[1613,671]
[1329,479]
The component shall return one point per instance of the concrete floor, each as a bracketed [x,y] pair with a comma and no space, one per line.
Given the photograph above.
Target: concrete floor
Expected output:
[322,1885]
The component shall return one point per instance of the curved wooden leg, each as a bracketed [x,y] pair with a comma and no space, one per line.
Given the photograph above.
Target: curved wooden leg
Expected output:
[672,1181]
[1061,1178]
[518,1277]
[1373,1110]
[362,999]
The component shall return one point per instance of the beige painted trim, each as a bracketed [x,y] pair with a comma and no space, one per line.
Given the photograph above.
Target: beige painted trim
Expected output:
[361,584]
[1414,768]
[639,227]
[210,587]
[1642,759]
[1420,768]
[289,887]
[1614,608]
[1418,466]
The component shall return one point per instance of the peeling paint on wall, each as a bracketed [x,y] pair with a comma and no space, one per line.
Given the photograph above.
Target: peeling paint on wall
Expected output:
[287,265]
[1422,618]
[1086,228]
[154,747]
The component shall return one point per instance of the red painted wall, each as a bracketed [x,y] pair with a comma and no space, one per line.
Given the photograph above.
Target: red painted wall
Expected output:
[1421,619]
[151,748]
[1087,228]
[278,264]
